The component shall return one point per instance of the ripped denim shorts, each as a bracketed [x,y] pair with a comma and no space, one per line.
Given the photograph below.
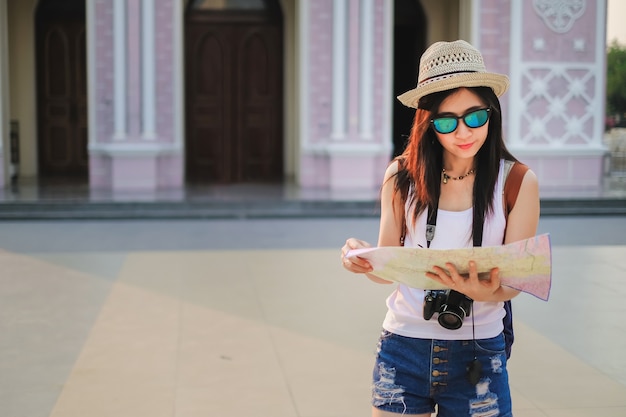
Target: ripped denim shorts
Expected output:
[411,376]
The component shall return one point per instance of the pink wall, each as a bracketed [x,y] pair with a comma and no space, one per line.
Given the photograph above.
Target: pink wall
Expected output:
[380,132]
[320,70]
[558,47]
[332,168]
[556,109]
[495,23]
[144,170]
[164,61]
[103,101]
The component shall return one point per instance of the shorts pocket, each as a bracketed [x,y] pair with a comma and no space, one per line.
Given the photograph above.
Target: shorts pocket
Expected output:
[494,345]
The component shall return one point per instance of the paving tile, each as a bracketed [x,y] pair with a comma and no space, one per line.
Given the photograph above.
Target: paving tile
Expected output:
[270,332]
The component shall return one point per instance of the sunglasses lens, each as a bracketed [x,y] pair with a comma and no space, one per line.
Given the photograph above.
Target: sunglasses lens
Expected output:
[477,118]
[445,124]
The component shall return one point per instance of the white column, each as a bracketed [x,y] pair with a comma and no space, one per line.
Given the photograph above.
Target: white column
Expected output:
[119,72]
[178,73]
[366,80]
[476,7]
[600,85]
[148,71]
[340,59]
[515,61]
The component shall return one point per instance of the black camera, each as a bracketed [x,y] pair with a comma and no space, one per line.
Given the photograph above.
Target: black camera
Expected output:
[451,305]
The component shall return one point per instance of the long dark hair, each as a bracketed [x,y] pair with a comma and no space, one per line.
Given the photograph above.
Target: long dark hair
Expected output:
[421,163]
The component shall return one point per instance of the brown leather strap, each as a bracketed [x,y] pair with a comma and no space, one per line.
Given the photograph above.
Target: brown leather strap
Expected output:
[403,230]
[512,185]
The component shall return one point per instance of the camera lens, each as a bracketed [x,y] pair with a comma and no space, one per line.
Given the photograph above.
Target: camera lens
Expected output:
[454,310]
[451,318]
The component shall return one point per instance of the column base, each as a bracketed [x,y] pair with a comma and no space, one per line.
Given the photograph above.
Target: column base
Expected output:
[135,167]
[344,167]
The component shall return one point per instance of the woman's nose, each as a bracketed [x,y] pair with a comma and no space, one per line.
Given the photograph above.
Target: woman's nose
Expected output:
[462,131]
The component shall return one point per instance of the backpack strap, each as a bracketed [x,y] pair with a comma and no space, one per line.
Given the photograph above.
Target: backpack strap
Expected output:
[403,230]
[513,176]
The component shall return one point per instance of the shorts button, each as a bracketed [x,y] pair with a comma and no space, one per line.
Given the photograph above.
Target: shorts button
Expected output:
[436,361]
[435,383]
[437,349]
[435,373]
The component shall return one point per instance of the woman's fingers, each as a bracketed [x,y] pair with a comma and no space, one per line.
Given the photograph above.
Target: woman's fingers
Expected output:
[355,264]
[474,285]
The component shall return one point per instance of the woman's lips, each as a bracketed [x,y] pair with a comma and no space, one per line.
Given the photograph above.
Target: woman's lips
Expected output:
[466,146]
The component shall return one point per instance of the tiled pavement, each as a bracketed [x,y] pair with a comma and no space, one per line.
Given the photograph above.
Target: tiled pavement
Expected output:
[241,318]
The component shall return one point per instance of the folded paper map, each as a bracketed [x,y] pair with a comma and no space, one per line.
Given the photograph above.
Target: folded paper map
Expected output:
[525,265]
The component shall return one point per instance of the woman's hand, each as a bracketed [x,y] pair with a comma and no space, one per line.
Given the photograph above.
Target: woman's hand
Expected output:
[356,264]
[484,288]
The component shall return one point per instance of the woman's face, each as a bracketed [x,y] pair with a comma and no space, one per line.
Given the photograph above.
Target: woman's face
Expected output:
[464,141]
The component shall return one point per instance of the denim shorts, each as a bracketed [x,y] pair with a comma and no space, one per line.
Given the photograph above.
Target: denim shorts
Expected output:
[411,376]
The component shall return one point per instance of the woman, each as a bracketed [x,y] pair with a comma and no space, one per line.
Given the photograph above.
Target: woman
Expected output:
[444,192]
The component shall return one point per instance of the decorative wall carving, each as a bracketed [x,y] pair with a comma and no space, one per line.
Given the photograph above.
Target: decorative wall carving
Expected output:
[558,106]
[560,15]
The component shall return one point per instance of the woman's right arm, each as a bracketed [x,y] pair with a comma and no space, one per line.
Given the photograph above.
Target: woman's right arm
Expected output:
[391,223]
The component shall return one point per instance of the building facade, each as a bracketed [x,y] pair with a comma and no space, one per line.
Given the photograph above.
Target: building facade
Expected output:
[157,94]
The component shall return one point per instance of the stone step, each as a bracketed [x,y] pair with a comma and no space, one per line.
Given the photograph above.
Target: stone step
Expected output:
[98,210]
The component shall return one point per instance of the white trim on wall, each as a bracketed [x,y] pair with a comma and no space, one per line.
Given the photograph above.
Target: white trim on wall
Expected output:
[148,84]
[515,61]
[340,70]
[476,6]
[519,72]
[600,60]
[366,78]
[119,71]
[178,48]
[465,20]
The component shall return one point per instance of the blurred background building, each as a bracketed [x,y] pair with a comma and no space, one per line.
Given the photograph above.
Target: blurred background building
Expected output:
[161,94]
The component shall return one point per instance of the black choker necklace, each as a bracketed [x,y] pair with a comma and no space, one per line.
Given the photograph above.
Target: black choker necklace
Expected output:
[446,177]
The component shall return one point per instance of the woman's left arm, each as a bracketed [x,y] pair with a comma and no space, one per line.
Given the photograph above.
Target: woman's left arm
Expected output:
[522,224]
[523,219]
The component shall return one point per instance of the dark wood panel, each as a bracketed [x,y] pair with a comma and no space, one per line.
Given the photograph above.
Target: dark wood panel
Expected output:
[61,95]
[260,139]
[234,101]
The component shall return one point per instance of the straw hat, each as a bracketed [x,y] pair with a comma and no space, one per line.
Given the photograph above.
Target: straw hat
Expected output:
[448,65]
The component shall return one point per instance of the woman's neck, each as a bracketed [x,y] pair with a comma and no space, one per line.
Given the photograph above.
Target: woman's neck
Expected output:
[455,167]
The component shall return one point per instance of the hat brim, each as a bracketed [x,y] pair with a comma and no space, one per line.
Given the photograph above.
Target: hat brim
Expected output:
[497,82]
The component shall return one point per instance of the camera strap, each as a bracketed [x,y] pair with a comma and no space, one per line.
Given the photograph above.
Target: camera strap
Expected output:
[473,368]
[431,226]
[431,223]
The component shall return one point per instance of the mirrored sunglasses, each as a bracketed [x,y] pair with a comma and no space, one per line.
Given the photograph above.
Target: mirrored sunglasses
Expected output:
[473,119]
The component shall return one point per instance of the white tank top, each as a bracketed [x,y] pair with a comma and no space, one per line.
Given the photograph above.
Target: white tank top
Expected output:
[405,305]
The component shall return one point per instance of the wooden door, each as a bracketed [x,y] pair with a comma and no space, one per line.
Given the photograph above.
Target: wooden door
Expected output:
[62,92]
[233,99]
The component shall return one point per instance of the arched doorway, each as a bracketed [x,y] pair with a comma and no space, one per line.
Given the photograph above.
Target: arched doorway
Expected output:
[234,98]
[61,71]
[409,43]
